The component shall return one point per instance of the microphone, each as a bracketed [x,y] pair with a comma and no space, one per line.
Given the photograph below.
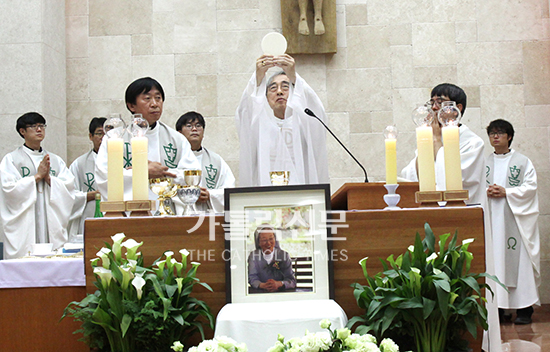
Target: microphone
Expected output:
[310,113]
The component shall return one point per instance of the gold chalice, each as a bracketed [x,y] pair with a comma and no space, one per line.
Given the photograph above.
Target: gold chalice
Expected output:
[192,177]
[165,189]
[279,178]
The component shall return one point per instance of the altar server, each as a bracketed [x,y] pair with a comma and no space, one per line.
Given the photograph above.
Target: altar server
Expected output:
[514,211]
[275,134]
[470,144]
[169,152]
[37,192]
[83,169]
[216,174]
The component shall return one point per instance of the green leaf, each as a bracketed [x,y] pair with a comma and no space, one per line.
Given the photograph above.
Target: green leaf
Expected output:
[125,324]
[389,315]
[429,240]
[428,307]
[171,289]
[415,302]
[442,297]
[470,281]
[178,318]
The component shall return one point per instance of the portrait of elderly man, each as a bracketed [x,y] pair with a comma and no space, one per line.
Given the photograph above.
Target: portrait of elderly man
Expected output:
[269,267]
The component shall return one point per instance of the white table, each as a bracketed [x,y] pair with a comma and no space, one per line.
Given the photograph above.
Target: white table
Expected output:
[258,324]
[42,272]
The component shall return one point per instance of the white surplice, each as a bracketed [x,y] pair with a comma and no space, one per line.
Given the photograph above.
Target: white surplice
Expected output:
[216,176]
[83,170]
[517,212]
[34,212]
[267,143]
[168,147]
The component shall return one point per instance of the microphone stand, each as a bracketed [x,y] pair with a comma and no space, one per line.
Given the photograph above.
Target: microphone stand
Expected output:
[310,113]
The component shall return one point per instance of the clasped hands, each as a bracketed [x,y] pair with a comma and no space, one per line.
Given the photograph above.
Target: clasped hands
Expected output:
[271,285]
[496,191]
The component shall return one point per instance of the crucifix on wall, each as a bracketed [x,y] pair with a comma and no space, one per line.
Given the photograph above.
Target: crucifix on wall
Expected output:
[309,26]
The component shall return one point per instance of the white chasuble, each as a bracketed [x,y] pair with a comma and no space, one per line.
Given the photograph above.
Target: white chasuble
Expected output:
[83,169]
[515,229]
[216,176]
[34,212]
[267,143]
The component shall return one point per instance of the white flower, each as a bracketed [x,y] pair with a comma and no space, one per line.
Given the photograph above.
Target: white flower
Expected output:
[343,334]
[226,343]
[278,347]
[105,275]
[468,241]
[127,275]
[177,346]
[416,270]
[363,260]
[117,240]
[315,342]
[132,247]
[184,252]
[411,248]
[104,255]
[94,262]
[432,257]
[195,263]
[387,345]
[437,271]
[324,324]
[168,254]
[138,282]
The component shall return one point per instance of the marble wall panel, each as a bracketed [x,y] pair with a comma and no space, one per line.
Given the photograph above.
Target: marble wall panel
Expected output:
[238,51]
[341,28]
[235,20]
[230,90]
[430,76]
[466,31]
[142,44]
[312,69]
[10,138]
[356,15]
[544,289]
[453,10]
[21,71]
[342,164]
[530,141]
[207,101]
[221,136]
[77,36]
[360,122]
[186,85]
[163,32]
[359,90]
[174,107]
[120,17]
[473,94]
[401,34]
[368,148]
[110,66]
[163,5]
[544,229]
[404,101]
[536,72]
[368,46]
[537,115]
[14,14]
[503,102]
[199,63]
[270,14]
[79,114]
[76,7]
[523,20]
[388,13]
[56,127]
[489,63]
[402,72]
[53,24]
[472,119]
[337,61]
[159,67]
[238,4]
[195,26]
[54,86]
[380,120]
[434,44]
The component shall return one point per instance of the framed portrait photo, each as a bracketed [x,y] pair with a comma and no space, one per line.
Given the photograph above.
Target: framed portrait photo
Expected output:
[277,243]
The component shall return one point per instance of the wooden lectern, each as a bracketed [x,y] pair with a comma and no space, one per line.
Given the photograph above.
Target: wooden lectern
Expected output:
[361,196]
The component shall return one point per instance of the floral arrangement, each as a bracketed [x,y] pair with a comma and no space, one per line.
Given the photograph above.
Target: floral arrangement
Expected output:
[339,340]
[433,294]
[137,308]
[218,344]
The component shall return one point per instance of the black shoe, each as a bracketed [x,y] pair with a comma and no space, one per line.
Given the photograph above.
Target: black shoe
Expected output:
[503,317]
[524,316]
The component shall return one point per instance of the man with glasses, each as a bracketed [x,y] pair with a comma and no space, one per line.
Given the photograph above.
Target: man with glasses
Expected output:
[37,192]
[471,148]
[83,169]
[514,211]
[216,174]
[274,131]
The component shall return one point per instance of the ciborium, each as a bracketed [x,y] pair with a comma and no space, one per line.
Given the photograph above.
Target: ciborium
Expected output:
[165,189]
[190,192]
[279,178]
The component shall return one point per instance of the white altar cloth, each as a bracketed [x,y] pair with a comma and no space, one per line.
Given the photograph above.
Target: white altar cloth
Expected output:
[258,324]
[42,272]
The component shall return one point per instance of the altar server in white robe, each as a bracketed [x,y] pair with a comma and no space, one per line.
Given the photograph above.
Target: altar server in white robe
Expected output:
[275,134]
[216,174]
[514,210]
[473,179]
[470,144]
[37,192]
[83,169]
[169,152]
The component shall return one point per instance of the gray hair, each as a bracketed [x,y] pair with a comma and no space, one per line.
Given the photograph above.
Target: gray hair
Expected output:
[270,80]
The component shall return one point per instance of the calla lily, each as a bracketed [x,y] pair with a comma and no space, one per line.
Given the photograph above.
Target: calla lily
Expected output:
[169,262]
[117,241]
[184,254]
[179,281]
[195,264]
[138,282]
[94,262]
[160,269]
[466,243]
[416,270]
[363,263]
[127,275]
[411,248]
[132,247]
[432,257]
[104,255]
[105,276]
[178,266]
[132,264]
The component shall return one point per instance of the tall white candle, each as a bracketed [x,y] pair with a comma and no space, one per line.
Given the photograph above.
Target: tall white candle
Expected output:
[115,180]
[451,149]
[140,169]
[391,161]
[426,168]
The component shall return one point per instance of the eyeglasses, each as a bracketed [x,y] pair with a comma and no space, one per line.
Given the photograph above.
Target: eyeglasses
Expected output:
[99,134]
[197,126]
[37,126]
[437,102]
[285,86]
[497,133]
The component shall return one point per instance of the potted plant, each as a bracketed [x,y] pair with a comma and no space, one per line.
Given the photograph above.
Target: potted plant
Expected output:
[425,294]
[137,308]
